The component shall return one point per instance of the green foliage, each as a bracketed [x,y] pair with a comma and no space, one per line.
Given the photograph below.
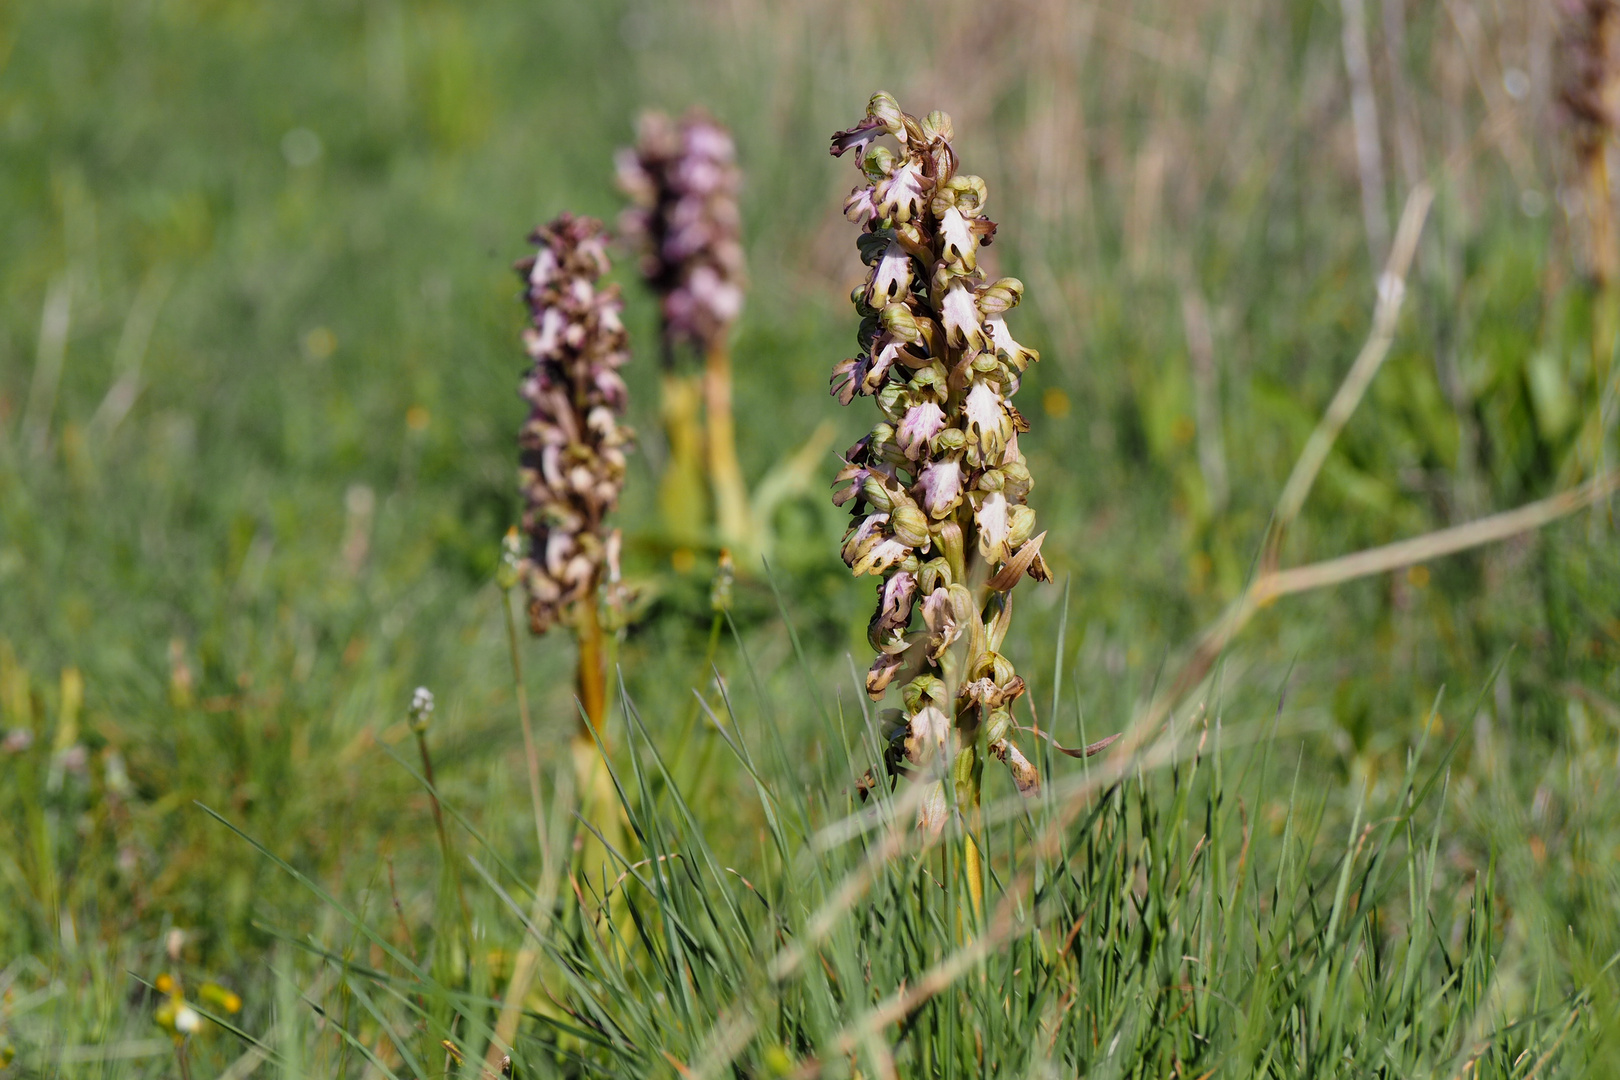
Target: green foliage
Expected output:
[257,411]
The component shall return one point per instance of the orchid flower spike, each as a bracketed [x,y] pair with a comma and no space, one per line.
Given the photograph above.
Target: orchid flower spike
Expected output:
[937,489]
[573,443]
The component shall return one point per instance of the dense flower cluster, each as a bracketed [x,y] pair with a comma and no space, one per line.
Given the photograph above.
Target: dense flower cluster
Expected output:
[682,179]
[937,488]
[573,445]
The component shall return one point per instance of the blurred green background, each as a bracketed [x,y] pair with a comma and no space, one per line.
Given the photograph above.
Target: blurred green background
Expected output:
[258,369]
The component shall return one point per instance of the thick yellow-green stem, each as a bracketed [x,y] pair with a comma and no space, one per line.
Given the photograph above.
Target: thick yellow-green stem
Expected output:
[592,679]
[969,773]
[682,494]
[1603,256]
[733,520]
[599,802]
[445,850]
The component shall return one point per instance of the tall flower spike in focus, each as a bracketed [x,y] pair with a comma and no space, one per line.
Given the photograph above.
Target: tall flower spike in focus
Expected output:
[572,444]
[682,181]
[937,489]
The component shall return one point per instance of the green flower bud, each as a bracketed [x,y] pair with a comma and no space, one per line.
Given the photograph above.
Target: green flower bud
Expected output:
[993,666]
[1020,525]
[948,441]
[898,320]
[935,573]
[931,379]
[878,163]
[1000,295]
[922,691]
[962,603]
[910,235]
[998,725]
[857,296]
[1017,479]
[967,194]
[894,399]
[991,480]
[876,495]
[910,525]
[986,363]
[972,194]
[937,125]
[885,108]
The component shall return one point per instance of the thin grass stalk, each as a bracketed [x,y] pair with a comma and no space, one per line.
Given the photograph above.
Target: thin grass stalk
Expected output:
[526,965]
[508,577]
[421,712]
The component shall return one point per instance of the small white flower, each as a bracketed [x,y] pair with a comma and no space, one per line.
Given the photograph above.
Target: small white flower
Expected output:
[859,207]
[921,423]
[987,421]
[941,485]
[896,600]
[958,237]
[939,615]
[994,527]
[1001,340]
[900,196]
[961,317]
[891,276]
[544,269]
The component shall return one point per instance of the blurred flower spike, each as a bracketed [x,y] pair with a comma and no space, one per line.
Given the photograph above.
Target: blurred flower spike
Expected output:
[937,488]
[573,444]
[682,181]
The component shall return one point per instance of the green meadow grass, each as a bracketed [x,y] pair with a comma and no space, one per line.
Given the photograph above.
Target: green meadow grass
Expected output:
[258,360]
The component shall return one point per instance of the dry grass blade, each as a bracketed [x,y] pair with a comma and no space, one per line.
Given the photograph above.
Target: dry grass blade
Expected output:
[1433,545]
[1270,585]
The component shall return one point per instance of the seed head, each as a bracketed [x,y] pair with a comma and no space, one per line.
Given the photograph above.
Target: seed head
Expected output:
[682,181]
[937,489]
[573,444]
[421,709]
